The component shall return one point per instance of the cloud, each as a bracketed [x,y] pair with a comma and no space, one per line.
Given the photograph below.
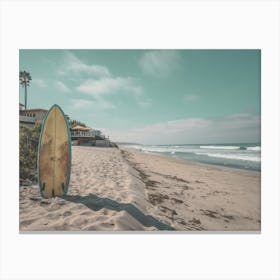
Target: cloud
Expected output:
[96,105]
[61,86]
[104,104]
[99,82]
[159,63]
[73,65]
[109,85]
[234,128]
[39,83]
[80,103]
[190,98]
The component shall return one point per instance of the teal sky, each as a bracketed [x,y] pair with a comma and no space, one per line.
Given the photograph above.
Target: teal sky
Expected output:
[151,96]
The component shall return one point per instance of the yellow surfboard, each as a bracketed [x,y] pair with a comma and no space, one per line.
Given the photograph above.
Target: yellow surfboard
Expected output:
[54,154]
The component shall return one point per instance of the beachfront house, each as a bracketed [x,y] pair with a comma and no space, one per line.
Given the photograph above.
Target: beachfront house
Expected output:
[31,116]
[87,136]
[97,132]
[82,135]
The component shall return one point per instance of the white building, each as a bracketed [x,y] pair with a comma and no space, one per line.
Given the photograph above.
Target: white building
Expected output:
[30,116]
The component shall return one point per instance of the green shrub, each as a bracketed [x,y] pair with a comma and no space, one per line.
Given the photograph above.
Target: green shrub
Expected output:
[28,147]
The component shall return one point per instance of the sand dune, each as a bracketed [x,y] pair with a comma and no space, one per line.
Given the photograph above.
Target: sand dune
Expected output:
[123,190]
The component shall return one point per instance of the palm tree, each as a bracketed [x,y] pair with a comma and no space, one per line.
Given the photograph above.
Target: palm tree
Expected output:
[25,79]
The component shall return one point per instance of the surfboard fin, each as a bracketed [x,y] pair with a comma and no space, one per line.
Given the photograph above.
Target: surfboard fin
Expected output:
[43,187]
[53,195]
[63,186]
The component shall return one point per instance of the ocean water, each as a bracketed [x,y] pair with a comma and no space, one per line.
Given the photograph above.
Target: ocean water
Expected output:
[246,156]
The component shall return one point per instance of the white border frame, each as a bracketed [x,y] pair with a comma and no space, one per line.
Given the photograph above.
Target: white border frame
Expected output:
[155,24]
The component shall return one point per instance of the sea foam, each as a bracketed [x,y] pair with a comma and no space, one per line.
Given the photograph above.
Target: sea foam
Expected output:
[232,156]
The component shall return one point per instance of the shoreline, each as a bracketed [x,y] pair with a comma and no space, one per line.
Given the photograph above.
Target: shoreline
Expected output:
[189,161]
[128,190]
[236,156]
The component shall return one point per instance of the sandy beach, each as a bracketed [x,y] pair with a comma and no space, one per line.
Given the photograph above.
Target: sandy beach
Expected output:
[123,189]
